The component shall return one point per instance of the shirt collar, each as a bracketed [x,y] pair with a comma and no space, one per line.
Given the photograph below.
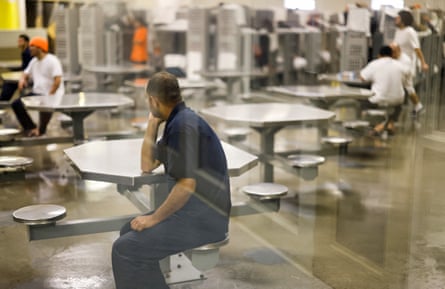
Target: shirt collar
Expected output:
[179,107]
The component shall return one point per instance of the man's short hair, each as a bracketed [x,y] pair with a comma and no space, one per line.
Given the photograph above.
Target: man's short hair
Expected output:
[406,17]
[164,86]
[24,37]
[385,51]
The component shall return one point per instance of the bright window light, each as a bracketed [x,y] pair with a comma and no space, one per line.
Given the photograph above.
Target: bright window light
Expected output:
[300,4]
[377,4]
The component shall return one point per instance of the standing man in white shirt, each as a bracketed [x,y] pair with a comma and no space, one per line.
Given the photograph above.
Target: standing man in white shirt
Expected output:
[45,71]
[406,37]
[387,76]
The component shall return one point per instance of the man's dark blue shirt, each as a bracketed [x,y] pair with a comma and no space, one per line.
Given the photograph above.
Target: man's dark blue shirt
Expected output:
[189,148]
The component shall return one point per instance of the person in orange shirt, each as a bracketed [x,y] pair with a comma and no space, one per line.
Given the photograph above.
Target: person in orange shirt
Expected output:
[139,51]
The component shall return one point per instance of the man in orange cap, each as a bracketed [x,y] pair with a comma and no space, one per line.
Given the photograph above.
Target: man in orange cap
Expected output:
[45,71]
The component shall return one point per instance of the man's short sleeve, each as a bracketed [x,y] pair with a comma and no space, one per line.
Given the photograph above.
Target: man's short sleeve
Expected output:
[183,154]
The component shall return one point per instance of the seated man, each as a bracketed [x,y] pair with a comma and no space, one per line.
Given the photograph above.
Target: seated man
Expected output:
[9,88]
[197,208]
[46,72]
[386,75]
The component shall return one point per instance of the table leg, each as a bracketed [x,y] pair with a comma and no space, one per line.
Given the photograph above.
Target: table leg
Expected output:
[78,130]
[267,141]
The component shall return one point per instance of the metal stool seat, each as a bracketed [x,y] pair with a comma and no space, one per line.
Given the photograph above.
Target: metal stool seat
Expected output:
[206,256]
[305,161]
[342,142]
[39,214]
[265,191]
[7,134]
[15,162]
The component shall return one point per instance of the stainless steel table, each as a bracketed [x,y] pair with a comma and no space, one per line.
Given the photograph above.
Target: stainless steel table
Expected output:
[78,106]
[184,83]
[350,78]
[231,77]
[267,119]
[119,71]
[118,161]
[10,64]
[11,76]
[322,95]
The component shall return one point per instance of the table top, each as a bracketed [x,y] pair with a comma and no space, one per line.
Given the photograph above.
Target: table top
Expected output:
[10,64]
[118,69]
[321,91]
[268,114]
[346,77]
[82,101]
[184,83]
[118,161]
[12,76]
[232,73]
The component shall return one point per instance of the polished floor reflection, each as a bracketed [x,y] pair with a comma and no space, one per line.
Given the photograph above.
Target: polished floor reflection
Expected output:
[377,224]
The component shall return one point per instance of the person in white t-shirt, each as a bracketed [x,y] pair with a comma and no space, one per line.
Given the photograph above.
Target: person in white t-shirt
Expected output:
[387,76]
[45,70]
[406,37]
[408,82]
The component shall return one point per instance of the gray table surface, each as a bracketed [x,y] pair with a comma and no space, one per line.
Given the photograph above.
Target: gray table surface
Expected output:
[322,92]
[347,77]
[232,73]
[12,76]
[118,161]
[184,83]
[8,64]
[78,106]
[82,101]
[267,114]
[117,69]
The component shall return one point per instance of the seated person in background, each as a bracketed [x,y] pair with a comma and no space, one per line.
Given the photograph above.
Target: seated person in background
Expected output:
[386,75]
[9,88]
[46,72]
[197,208]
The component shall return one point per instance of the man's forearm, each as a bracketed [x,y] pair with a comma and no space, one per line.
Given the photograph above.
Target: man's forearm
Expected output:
[177,198]
[148,161]
[55,85]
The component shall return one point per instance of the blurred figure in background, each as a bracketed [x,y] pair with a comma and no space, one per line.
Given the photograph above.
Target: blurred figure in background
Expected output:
[9,88]
[406,37]
[139,54]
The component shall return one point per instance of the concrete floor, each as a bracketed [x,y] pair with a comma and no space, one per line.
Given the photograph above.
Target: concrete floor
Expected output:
[380,225]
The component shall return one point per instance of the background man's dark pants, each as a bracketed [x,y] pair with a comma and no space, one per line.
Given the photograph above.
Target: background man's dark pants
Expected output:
[8,90]
[136,255]
[26,121]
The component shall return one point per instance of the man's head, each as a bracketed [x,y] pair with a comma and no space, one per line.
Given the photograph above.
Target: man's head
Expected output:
[396,51]
[163,94]
[404,18]
[23,41]
[38,46]
[385,51]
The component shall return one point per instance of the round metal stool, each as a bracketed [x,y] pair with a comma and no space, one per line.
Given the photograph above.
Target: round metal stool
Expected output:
[265,191]
[305,161]
[15,161]
[39,214]
[7,134]
[342,142]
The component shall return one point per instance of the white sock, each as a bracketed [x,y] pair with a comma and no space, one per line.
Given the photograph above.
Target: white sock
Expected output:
[418,106]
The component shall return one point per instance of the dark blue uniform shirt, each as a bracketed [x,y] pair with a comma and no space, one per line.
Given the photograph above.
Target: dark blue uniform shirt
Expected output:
[189,148]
